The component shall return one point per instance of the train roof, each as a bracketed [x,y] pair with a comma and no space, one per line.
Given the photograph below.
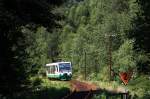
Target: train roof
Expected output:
[50,64]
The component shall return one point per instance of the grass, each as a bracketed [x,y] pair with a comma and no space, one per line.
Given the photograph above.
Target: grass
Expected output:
[110,86]
[138,88]
[109,90]
[43,88]
[57,84]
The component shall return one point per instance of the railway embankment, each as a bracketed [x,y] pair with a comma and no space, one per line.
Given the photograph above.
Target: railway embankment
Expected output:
[87,90]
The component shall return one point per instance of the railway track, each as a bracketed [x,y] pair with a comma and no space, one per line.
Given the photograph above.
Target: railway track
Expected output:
[84,90]
[82,86]
[80,90]
[79,95]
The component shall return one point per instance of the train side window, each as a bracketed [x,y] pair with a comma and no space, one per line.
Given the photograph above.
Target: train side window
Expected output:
[53,69]
[48,70]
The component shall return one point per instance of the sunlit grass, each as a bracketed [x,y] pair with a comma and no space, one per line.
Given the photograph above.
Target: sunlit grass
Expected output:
[110,86]
[57,84]
[140,87]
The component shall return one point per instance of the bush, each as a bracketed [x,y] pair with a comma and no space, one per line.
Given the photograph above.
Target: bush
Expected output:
[140,87]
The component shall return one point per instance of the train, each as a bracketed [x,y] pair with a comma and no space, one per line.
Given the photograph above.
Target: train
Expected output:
[59,70]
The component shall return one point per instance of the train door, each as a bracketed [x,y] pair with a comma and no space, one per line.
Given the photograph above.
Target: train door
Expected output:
[56,69]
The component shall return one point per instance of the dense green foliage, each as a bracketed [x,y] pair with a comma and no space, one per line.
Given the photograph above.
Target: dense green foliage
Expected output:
[99,31]
[26,30]
[92,34]
[141,34]
[92,27]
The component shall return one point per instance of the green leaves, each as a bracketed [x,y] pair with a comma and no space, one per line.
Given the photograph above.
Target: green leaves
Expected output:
[125,57]
[91,22]
[36,47]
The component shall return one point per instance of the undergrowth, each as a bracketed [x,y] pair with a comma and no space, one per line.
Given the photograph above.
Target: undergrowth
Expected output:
[43,88]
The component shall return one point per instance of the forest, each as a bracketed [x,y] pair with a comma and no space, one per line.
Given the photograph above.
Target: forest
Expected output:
[93,34]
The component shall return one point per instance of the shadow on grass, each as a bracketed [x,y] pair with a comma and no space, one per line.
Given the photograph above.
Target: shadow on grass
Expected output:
[44,93]
[104,94]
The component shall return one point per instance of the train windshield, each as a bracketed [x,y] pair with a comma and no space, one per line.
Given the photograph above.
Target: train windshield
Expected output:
[64,66]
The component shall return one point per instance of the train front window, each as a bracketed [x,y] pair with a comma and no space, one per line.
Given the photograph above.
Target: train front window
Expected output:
[64,66]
